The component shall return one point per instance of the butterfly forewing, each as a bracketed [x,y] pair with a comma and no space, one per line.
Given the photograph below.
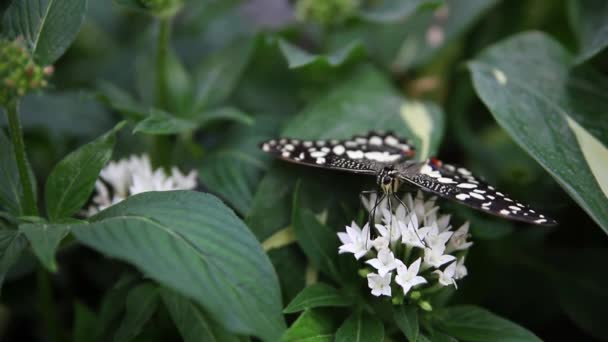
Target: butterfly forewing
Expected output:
[359,154]
[458,184]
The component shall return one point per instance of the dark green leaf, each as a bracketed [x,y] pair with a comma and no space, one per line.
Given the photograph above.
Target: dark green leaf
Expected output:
[85,323]
[194,244]
[589,19]
[44,240]
[317,295]
[72,180]
[361,328]
[48,26]
[395,10]
[10,186]
[192,323]
[121,101]
[311,326]
[552,111]
[141,304]
[297,57]
[162,123]
[112,306]
[224,114]
[218,74]
[290,266]
[406,318]
[12,243]
[472,323]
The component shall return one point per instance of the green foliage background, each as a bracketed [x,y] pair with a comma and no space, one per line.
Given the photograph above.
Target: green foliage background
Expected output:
[515,90]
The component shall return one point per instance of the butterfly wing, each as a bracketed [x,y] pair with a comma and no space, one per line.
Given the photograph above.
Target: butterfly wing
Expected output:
[458,184]
[360,154]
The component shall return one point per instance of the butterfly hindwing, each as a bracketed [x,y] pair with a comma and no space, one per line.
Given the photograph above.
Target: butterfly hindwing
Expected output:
[458,184]
[359,154]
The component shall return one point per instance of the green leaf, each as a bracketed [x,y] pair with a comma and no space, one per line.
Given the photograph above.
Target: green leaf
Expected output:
[121,101]
[406,318]
[552,111]
[394,10]
[85,324]
[163,123]
[11,191]
[298,58]
[220,263]
[44,239]
[589,20]
[361,328]
[317,295]
[472,323]
[141,304]
[224,114]
[112,307]
[218,74]
[72,180]
[311,326]
[192,323]
[12,243]
[48,26]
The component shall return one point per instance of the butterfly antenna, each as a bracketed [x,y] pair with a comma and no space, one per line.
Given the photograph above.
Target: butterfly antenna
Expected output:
[407,212]
[372,217]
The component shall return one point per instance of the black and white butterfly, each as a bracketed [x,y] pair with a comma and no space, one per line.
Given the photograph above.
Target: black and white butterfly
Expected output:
[390,159]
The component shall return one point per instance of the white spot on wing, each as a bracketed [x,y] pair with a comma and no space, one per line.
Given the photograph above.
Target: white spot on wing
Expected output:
[466,185]
[462,197]
[375,141]
[339,149]
[476,195]
[355,154]
[318,154]
[504,212]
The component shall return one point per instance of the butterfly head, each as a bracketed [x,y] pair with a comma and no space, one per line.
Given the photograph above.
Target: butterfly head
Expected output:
[388,180]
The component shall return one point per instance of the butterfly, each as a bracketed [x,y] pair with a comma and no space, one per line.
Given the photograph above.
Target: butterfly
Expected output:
[390,159]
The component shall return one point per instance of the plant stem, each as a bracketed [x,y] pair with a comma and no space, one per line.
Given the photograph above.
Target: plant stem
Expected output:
[14,127]
[47,305]
[162,153]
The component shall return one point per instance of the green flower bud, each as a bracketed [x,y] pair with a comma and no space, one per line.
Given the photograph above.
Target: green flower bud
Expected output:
[415,295]
[19,74]
[326,12]
[426,306]
[157,8]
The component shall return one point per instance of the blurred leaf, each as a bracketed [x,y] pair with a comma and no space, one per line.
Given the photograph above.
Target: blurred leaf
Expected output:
[48,26]
[224,114]
[317,295]
[290,266]
[179,85]
[313,326]
[44,240]
[10,186]
[221,265]
[121,101]
[141,304]
[12,244]
[360,328]
[85,323]
[298,58]
[112,306]
[394,10]
[233,170]
[218,74]
[163,123]
[552,111]
[72,180]
[589,20]
[406,318]
[472,323]
[192,323]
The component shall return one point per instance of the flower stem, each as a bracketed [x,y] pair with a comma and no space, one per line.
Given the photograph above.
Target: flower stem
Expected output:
[14,127]
[162,151]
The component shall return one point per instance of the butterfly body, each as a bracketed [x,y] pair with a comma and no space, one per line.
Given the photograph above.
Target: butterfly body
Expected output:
[389,158]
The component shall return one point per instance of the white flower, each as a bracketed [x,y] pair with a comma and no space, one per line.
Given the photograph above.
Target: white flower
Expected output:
[118,175]
[182,181]
[380,285]
[380,243]
[446,277]
[384,262]
[368,204]
[461,269]
[394,232]
[408,277]
[436,239]
[411,235]
[435,257]
[458,241]
[355,240]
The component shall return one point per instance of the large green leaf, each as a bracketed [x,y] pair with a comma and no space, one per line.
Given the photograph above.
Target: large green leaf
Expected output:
[360,328]
[48,26]
[394,10]
[192,243]
[192,323]
[317,295]
[311,326]
[472,323]
[363,102]
[44,239]
[589,19]
[406,318]
[554,112]
[141,303]
[12,243]
[11,191]
[72,180]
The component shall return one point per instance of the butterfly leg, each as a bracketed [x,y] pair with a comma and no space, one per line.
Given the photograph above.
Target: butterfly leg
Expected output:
[408,214]
[372,217]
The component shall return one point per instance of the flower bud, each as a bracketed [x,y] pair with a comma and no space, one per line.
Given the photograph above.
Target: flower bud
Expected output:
[426,306]
[157,8]
[18,72]
[326,12]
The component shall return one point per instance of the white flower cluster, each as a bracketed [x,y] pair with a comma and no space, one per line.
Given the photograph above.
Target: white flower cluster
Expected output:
[413,246]
[127,177]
